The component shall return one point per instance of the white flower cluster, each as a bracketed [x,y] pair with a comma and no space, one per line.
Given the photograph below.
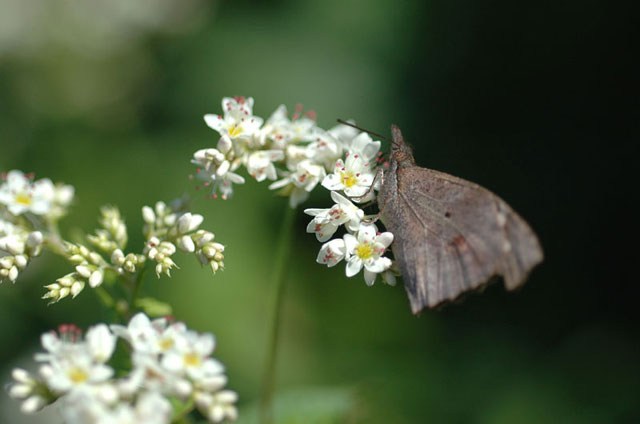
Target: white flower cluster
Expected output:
[169,226]
[170,364]
[20,194]
[363,246]
[293,152]
[166,226]
[302,155]
[26,204]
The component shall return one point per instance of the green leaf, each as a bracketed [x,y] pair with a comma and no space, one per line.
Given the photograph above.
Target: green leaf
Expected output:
[153,307]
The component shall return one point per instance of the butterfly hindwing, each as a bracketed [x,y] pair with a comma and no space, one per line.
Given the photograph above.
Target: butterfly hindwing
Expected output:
[457,235]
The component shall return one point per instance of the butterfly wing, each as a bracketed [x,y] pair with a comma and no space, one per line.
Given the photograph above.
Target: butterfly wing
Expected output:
[451,236]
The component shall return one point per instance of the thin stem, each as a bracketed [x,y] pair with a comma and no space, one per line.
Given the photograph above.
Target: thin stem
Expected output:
[135,290]
[278,280]
[54,239]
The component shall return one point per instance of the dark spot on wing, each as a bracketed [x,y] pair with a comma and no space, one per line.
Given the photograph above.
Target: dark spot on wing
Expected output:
[460,242]
[447,214]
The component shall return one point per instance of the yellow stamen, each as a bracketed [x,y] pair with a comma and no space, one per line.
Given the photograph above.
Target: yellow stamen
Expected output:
[165,344]
[191,359]
[77,375]
[23,199]
[348,179]
[234,131]
[364,251]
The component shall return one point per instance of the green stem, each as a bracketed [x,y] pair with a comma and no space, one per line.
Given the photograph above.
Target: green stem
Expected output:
[54,240]
[135,290]
[106,298]
[278,280]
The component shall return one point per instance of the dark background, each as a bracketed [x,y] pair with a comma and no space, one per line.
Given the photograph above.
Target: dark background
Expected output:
[536,101]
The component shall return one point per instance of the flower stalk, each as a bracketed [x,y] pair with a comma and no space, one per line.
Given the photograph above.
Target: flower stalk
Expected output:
[278,283]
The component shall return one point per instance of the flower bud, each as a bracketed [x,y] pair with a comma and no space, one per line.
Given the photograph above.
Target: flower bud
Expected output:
[95,258]
[32,404]
[21,375]
[6,262]
[20,391]
[64,292]
[148,215]
[13,274]
[84,270]
[183,388]
[117,257]
[21,261]
[186,244]
[35,239]
[96,278]
[15,246]
[77,259]
[76,288]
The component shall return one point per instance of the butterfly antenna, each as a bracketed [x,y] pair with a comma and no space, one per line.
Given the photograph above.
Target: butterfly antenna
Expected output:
[362,129]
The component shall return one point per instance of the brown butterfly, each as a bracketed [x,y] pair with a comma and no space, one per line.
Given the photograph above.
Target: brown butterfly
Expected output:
[450,235]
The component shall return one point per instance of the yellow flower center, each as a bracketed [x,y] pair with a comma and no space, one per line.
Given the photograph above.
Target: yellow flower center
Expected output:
[348,179]
[235,130]
[23,199]
[364,251]
[165,344]
[77,375]
[191,359]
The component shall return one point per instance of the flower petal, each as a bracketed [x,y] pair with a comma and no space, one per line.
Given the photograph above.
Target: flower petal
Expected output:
[354,265]
[369,277]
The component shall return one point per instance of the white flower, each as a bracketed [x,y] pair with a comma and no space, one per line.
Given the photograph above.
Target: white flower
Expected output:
[302,128]
[276,128]
[366,250]
[294,154]
[332,252]
[260,164]
[100,342]
[60,197]
[152,408]
[168,361]
[327,221]
[141,333]
[63,194]
[191,356]
[68,372]
[298,184]
[238,121]
[344,133]
[217,167]
[149,408]
[325,148]
[20,195]
[71,362]
[364,146]
[150,337]
[353,176]
[282,131]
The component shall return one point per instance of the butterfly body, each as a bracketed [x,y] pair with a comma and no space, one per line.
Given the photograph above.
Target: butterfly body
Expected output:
[450,235]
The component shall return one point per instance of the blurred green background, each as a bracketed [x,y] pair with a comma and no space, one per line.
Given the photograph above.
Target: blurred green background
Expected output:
[531,99]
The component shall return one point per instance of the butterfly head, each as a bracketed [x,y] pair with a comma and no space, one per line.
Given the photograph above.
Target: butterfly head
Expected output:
[401,152]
